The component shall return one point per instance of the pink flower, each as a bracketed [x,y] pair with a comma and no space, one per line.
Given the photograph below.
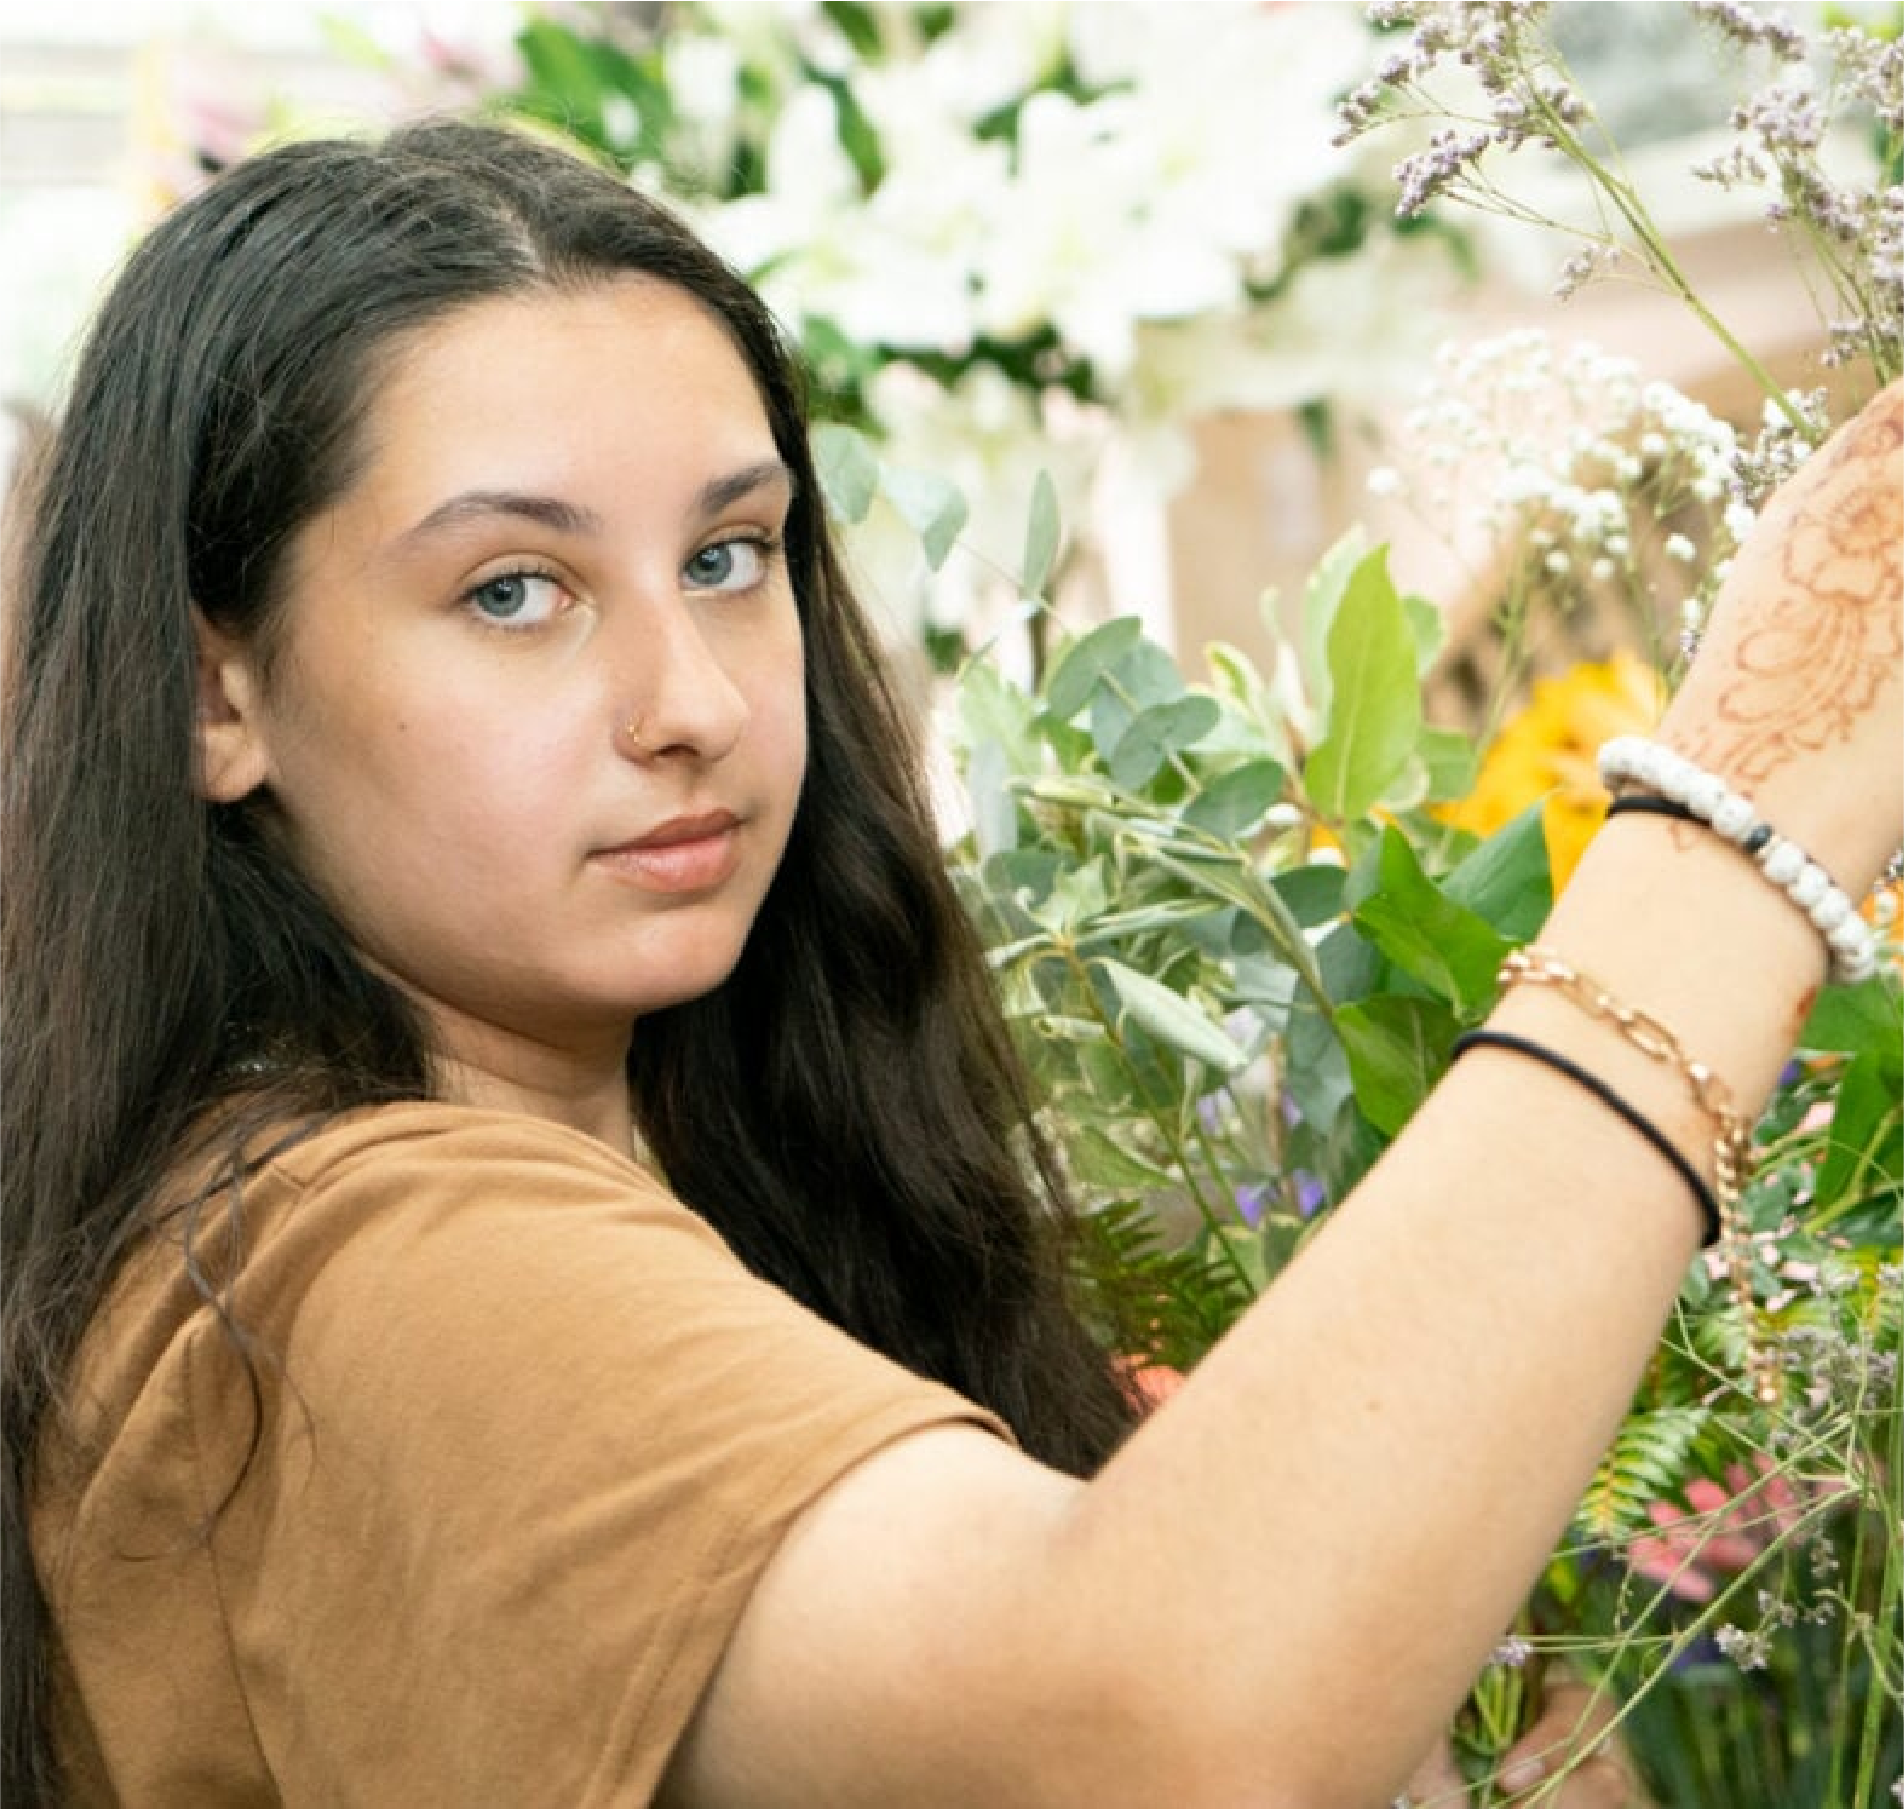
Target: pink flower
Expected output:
[1722,1529]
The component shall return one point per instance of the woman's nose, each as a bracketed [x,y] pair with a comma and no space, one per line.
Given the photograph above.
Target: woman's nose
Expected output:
[677,698]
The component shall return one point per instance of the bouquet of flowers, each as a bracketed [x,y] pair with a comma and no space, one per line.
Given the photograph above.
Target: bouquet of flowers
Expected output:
[1240,920]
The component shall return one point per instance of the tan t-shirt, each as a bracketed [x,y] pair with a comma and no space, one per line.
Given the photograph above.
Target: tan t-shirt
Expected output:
[529,1435]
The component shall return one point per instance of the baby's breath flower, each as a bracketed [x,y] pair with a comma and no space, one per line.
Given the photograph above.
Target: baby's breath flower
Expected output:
[1749,1650]
[1513,1651]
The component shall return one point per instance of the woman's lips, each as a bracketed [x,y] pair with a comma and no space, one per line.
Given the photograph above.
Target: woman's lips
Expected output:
[683,855]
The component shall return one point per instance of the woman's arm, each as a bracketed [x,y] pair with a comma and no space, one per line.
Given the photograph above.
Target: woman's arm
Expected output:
[1281,1587]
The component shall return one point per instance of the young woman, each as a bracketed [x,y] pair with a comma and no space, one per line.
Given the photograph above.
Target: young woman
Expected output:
[529,1276]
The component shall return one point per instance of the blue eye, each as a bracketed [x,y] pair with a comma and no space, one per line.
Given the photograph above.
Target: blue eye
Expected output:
[729,565]
[516,599]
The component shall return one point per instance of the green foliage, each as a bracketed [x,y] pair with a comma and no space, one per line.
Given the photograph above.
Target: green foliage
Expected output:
[1200,979]
[1236,943]
[1646,1463]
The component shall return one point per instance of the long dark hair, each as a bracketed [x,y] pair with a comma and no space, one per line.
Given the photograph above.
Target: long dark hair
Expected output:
[846,1108]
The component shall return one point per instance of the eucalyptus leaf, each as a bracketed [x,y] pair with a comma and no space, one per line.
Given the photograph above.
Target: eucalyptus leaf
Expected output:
[1157,733]
[1234,804]
[1313,894]
[1170,1018]
[1078,669]
[1145,674]
[934,508]
[1317,1073]
[848,469]
[990,798]
[1141,678]
[1041,538]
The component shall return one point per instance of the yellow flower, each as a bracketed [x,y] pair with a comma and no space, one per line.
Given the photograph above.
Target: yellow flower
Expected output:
[1548,749]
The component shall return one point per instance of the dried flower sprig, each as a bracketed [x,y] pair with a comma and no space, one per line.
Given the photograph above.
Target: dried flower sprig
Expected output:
[1527,95]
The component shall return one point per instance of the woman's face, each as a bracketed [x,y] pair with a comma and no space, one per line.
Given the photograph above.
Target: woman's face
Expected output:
[536,723]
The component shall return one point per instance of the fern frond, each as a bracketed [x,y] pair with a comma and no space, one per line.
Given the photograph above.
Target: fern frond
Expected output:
[1156,1300]
[1647,1460]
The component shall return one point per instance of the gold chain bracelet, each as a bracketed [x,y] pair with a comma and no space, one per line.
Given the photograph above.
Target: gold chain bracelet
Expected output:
[1732,1144]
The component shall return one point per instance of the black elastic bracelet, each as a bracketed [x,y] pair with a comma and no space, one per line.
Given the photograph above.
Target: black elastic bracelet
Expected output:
[1651,805]
[1525,1046]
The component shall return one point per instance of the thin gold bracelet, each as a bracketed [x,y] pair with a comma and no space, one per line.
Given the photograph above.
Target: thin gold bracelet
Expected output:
[1732,1143]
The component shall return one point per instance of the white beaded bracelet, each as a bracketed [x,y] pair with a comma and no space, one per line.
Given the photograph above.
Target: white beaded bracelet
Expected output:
[1632,760]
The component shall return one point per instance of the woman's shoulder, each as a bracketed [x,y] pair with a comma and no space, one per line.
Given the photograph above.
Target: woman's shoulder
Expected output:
[416,1178]
[258,1220]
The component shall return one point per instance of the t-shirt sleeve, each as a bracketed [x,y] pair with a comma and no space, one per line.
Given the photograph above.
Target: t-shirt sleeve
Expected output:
[532,1434]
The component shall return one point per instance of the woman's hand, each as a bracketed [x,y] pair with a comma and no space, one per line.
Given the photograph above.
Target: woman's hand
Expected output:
[1570,1756]
[1797,695]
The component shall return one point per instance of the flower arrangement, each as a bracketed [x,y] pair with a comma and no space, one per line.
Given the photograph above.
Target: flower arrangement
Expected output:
[1239,921]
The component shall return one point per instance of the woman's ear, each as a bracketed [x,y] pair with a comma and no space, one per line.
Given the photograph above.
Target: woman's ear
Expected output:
[232,757]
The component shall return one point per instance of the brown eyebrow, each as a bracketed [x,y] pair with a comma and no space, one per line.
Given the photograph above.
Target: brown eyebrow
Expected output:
[548,511]
[565,518]
[718,493]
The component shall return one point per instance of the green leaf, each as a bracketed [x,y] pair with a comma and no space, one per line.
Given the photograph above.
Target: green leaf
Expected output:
[1452,760]
[1317,1074]
[1866,1140]
[993,709]
[1428,935]
[1170,1018]
[1079,894]
[1041,538]
[1867,1017]
[1397,1049]
[1430,629]
[993,803]
[848,468]
[1102,1163]
[1144,676]
[1235,803]
[933,507]
[1085,662]
[1322,597]
[1313,894]
[1157,733]
[1646,1461]
[1507,880]
[1408,789]
[1374,717]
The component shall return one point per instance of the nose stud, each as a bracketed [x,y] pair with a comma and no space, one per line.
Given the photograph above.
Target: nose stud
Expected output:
[631,734]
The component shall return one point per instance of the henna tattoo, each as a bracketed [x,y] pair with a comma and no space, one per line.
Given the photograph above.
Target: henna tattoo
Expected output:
[1832,634]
